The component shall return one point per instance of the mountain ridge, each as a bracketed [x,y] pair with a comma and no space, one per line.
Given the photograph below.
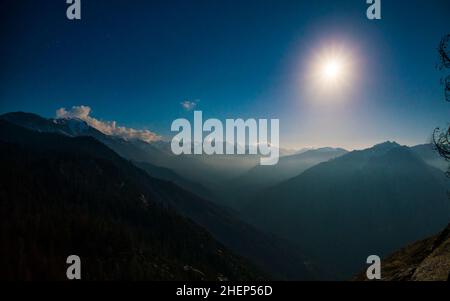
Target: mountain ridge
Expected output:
[222,224]
[372,200]
[64,195]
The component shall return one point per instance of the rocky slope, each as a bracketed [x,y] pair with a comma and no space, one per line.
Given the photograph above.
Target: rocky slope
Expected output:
[425,260]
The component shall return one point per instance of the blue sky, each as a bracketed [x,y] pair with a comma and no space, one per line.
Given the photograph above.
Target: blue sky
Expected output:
[135,62]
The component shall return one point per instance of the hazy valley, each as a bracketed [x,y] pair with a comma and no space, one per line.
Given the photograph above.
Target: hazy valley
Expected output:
[316,215]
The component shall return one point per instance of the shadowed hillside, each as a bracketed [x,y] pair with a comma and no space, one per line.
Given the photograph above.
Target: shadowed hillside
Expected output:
[63,196]
[366,202]
[278,258]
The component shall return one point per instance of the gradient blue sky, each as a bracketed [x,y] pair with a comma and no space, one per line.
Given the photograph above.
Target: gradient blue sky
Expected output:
[136,61]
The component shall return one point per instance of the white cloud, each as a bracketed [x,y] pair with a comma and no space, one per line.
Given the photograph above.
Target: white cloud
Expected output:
[106,127]
[189,105]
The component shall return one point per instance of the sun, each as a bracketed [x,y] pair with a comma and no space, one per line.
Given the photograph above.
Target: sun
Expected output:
[330,73]
[332,69]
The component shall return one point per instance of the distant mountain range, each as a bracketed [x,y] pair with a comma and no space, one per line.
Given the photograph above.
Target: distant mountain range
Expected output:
[362,203]
[261,177]
[290,166]
[277,258]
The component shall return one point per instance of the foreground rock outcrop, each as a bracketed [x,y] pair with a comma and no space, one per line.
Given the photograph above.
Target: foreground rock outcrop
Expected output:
[425,260]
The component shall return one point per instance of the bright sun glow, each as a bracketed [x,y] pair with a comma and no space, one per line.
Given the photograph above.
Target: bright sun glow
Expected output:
[332,71]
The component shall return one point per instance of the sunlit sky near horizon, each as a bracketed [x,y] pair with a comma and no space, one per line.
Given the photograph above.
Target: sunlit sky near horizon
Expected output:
[332,77]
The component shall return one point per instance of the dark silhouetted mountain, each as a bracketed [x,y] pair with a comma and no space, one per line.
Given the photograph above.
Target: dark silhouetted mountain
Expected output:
[77,127]
[273,255]
[61,196]
[209,171]
[362,203]
[425,260]
[137,151]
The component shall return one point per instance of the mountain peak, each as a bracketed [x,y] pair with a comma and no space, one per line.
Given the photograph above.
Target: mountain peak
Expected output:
[77,126]
[385,146]
[330,149]
[66,126]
